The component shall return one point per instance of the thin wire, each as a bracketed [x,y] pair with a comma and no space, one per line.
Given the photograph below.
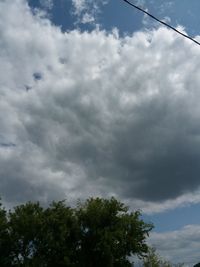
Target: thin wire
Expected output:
[162,22]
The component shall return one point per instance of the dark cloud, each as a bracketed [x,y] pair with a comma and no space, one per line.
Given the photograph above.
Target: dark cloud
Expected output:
[37,76]
[112,116]
[7,145]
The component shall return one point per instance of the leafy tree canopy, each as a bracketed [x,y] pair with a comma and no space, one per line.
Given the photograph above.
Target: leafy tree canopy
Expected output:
[98,232]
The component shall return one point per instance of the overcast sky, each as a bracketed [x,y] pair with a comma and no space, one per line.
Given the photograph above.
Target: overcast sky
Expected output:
[98,100]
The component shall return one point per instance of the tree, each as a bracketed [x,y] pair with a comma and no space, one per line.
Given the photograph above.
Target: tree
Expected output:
[152,259]
[109,234]
[59,236]
[25,225]
[197,265]
[5,260]
[42,237]
[98,232]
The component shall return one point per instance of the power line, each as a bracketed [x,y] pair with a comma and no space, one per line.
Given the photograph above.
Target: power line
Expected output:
[162,22]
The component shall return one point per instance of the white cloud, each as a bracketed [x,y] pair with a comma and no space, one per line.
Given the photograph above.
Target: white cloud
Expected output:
[149,207]
[47,4]
[95,114]
[87,11]
[166,6]
[87,18]
[140,3]
[79,6]
[181,246]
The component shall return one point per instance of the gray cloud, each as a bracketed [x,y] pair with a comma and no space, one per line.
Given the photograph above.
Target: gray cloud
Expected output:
[107,115]
[181,246]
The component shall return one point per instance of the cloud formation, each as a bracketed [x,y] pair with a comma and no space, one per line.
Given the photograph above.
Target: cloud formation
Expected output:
[47,4]
[87,11]
[181,246]
[95,113]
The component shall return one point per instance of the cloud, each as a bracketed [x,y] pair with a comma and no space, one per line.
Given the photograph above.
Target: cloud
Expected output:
[87,11]
[87,18]
[140,3]
[181,246]
[91,113]
[150,207]
[168,5]
[150,23]
[47,4]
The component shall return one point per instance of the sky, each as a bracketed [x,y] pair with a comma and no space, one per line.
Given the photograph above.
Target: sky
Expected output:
[96,99]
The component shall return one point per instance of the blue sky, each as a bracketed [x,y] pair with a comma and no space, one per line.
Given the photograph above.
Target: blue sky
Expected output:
[96,99]
[126,19]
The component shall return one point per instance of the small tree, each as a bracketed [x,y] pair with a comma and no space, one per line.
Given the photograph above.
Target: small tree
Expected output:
[152,259]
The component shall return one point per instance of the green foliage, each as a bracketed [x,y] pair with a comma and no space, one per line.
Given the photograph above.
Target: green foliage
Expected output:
[59,236]
[4,239]
[98,232]
[152,259]
[24,225]
[109,234]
